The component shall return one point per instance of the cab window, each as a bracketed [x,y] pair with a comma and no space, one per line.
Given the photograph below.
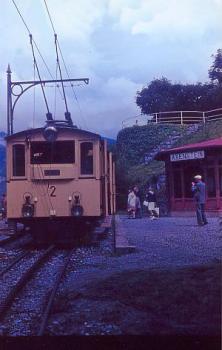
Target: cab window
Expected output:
[59,152]
[86,151]
[18,160]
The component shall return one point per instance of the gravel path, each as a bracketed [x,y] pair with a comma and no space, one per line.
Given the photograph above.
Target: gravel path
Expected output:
[172,242]
[162,243]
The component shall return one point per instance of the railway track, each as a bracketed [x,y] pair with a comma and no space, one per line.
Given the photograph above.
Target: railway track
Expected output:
[52,295]
[22,281]
[15,261]
[12,238]
[16,290]
[32,281]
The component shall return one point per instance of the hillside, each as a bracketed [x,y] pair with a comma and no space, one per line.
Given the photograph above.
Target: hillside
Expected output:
[133,142]
[206,131]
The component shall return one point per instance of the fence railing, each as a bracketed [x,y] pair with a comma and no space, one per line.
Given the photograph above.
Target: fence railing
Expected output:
[174,117]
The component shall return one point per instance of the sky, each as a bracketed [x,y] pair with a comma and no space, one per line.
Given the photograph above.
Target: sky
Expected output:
[120,45]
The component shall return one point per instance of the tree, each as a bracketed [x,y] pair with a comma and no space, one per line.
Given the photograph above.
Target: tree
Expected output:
[215,71]
[162,96]
[156,97]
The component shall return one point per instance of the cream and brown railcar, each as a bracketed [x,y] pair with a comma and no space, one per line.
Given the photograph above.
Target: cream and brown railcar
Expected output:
[67,180]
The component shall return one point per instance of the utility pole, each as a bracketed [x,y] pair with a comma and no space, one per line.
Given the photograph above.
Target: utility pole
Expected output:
[9,102]
[13,96]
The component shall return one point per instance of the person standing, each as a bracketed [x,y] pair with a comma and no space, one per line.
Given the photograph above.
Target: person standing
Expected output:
[131,204]
[199,194]
[151,199]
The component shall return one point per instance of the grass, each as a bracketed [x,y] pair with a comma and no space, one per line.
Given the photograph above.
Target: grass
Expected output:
[176,301]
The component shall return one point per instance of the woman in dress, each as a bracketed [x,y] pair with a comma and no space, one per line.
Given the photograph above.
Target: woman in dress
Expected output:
[131,204]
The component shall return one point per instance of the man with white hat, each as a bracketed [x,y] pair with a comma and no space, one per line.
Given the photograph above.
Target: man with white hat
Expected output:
[199,191]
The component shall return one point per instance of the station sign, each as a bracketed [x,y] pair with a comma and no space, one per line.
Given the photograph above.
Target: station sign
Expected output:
[175,157]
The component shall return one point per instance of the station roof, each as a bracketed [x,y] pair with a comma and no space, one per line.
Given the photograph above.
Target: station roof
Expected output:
[213,143]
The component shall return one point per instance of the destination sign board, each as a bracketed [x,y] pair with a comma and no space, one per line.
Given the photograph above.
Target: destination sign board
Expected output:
[175,157]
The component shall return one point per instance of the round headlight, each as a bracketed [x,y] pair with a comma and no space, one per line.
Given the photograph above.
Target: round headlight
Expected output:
[50,133]
[77,210]
[27,210]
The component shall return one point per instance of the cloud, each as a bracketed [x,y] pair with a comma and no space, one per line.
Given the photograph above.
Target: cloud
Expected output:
[120,45]
[108,104]
[131,14]
[76,20]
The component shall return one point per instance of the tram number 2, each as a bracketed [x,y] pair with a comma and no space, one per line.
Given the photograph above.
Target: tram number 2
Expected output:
[52,190]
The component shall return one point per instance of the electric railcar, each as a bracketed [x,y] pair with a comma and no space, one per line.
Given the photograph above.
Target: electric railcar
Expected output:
[58,178]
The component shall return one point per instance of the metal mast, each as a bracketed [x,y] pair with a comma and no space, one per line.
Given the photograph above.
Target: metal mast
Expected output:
[13,96]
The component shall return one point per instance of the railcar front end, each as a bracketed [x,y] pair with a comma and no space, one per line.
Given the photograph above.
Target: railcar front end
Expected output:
[58,182]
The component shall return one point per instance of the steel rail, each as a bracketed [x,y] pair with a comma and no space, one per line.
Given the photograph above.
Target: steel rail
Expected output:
[9,266]
[53,293]
[4,307]
[12,238]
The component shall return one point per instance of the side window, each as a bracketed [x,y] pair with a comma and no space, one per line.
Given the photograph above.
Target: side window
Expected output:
[18,160]
[211,185]
[86,151]
[177,184]
[220,179]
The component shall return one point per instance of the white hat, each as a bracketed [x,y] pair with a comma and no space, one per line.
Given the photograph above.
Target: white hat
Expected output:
[198,177]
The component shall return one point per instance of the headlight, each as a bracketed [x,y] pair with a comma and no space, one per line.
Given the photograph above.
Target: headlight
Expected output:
[50,133]
[77,210]
[28,208]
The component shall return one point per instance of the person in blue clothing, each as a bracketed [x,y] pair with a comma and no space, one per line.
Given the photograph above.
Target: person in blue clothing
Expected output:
[199,194]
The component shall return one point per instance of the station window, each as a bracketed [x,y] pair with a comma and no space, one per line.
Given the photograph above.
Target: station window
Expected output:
[177,184]
[86,149]
[211,184]
[18,155]
[59,152]
[220,179]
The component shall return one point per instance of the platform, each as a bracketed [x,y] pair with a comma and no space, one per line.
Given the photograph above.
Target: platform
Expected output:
[189,213]
[122,244]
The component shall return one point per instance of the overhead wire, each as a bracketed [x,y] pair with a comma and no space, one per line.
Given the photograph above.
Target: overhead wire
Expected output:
[38,72]
[36,46]
[34,98]
[67,114]
[55,95]
[74,93]
[60,72]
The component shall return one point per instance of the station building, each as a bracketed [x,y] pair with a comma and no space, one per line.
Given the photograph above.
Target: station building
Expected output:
[182,164]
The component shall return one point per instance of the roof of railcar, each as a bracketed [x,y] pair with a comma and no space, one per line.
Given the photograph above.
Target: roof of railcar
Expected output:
[30,132]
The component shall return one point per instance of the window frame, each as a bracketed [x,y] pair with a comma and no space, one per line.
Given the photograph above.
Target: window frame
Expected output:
[87,176]
[18,177]
[175,176]
[209,195]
